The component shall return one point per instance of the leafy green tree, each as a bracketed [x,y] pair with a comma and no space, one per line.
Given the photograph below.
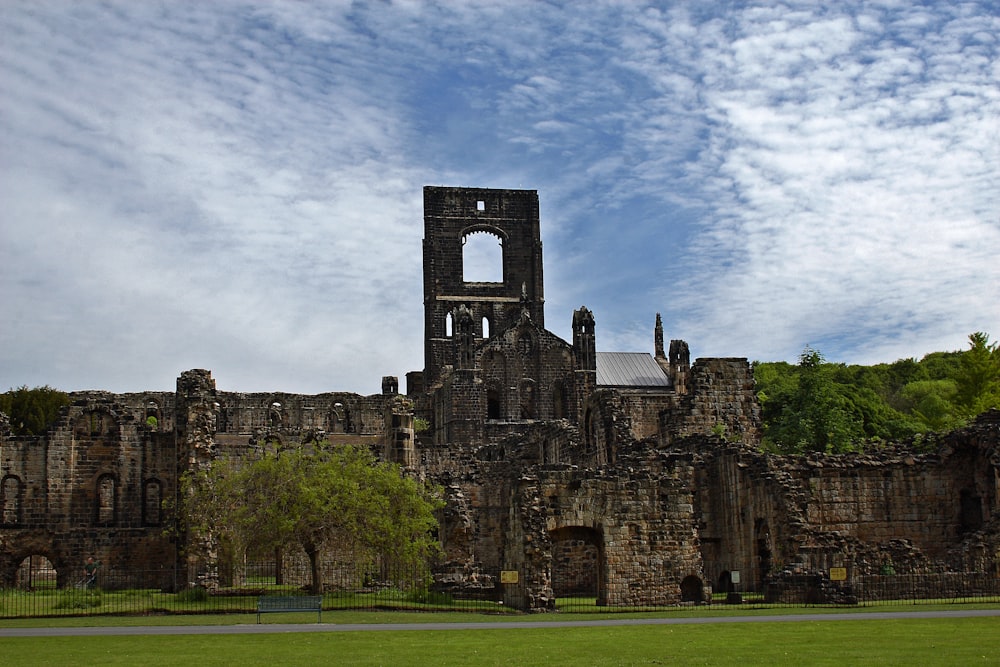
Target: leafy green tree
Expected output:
[932,403]
[816,405]
[978,377]
[316,496]
[33,411]
[822,419]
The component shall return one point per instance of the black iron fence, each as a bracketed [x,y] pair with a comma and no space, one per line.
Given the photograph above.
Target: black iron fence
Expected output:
[166,592]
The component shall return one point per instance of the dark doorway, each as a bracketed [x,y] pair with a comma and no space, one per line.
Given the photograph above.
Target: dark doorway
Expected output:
[578,565]
[692,589]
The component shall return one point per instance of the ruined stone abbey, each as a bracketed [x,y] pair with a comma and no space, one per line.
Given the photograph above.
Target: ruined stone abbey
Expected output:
[633,477]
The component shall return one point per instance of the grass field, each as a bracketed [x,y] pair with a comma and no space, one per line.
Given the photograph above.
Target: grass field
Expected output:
[908,641]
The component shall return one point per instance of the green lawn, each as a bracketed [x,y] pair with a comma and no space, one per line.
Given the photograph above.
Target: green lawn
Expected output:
[965,641]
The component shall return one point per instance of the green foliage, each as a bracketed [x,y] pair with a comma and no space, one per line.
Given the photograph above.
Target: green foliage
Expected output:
[421,425]
[821,406]
[317,497]
[151,421]
[424,596]
[814,413]
[193,594]
[32,411]
[978,376]
[73,598]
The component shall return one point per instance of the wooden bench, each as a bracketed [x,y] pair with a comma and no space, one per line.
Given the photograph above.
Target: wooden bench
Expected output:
[267,604]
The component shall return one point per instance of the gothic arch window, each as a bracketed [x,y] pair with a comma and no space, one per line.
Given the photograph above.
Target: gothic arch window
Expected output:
[527,399]
[590,432]
[559,400]
[486,327]
[482,257]
[494,405]
[106,492]
[152,417]
[10,500]
[276,415]
[152,497]
[340,419]
[221,418]
[93,424]
[449,325]
[525,344]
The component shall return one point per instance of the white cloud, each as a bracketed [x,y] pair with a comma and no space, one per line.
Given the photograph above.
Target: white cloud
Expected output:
[238,186]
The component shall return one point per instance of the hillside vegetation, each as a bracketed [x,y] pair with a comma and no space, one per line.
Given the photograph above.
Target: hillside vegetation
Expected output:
[819,406]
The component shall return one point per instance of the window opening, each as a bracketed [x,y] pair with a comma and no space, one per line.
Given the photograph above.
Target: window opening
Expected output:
[151,503]
[482,258]
[486,327]
[106,500]
[493,404]
[10,489]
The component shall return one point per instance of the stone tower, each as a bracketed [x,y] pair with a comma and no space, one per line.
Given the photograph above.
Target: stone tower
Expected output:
[451,216]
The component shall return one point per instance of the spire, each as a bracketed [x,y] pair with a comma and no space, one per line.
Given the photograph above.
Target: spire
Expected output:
[658,338]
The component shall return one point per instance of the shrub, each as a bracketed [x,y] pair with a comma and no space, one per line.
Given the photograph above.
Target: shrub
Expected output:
[73,598]
[425,596]
[195,594]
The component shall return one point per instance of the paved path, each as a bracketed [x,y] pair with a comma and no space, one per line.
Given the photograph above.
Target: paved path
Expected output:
[271,628]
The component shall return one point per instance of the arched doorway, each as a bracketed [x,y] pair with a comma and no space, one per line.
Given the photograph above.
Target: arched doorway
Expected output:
[692,589]
[35,572]
[724,584]
[578,565]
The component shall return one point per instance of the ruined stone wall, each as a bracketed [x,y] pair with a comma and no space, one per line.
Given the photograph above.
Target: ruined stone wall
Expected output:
[749,510]
[639,519]
[762,513]
[719,394]
[459,406]
[92,486]
[644,409]
[477,483]
[329,414]
[607,425]
[575,565]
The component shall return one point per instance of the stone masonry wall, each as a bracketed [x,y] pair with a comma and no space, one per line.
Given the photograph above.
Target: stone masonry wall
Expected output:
[93,486]
[638,519]
[760,513]
[719,393]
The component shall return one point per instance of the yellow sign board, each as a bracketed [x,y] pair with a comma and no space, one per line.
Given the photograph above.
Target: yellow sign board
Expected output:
[508,576]
[838,574]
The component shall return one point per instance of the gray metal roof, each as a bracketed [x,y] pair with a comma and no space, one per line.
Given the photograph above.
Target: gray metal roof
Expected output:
[629,369]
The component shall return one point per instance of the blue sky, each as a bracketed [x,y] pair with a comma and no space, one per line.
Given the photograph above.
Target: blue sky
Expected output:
[237,186]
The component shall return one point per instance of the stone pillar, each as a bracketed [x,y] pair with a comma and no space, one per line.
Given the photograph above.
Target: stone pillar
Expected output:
[584,360]
[197,409]
[399,433]
[680,366]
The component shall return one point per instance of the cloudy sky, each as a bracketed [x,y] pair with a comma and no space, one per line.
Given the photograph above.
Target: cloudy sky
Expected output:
[237,186]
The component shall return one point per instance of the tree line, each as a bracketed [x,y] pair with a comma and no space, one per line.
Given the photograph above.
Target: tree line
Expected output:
[819,406]
[33,411]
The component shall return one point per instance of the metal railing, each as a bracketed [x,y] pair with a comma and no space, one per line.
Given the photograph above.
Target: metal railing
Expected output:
[165,592]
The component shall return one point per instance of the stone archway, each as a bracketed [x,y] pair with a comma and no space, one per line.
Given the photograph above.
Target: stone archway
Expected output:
[578,563]
[35,572]
[43,556]
[692,589]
